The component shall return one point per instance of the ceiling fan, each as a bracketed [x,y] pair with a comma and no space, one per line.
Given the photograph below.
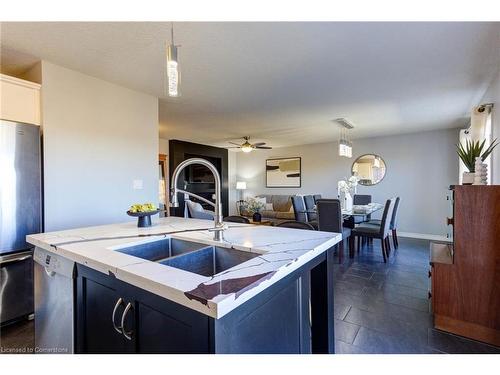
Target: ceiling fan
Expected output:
[247,146]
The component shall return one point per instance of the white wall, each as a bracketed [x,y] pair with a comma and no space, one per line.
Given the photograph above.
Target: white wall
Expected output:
[98,138]
[493,96]
[420,168]
[163,146]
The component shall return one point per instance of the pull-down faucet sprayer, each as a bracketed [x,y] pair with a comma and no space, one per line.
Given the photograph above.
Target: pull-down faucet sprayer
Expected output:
[219,226]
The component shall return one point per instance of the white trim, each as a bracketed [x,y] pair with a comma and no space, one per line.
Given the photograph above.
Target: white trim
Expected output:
[20,82]
[423,236]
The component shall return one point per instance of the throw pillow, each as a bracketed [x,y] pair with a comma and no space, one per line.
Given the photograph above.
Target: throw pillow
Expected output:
[269,207]
[261,200]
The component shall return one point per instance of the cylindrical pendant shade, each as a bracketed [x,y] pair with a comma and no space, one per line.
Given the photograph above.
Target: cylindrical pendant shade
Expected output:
[173,72]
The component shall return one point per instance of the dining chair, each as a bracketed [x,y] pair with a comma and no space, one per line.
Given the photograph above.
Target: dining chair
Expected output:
[330,220]
[361,199]
[299,209]
[295,225]
[394,223]
[236,219]
[380,232]
[316,197]
[310,208]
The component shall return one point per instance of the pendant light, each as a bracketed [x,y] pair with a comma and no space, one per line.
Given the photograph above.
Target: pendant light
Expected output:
[173,74]
[342,143]
[345,144]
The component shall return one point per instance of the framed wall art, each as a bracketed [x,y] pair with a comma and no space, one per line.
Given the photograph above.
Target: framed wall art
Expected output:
[283,173]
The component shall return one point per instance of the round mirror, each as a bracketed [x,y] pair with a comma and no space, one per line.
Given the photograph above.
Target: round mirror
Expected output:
[369,168]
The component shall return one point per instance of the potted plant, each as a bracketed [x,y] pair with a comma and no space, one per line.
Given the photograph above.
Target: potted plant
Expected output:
[468,155]
[254,206]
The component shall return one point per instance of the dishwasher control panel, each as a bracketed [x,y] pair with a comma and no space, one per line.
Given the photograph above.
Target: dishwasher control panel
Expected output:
[53,263]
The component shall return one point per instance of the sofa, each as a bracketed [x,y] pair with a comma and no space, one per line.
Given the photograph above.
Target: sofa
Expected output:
[196,211]
[279,208]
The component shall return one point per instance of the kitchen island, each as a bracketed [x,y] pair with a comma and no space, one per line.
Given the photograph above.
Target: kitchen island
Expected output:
[171,288]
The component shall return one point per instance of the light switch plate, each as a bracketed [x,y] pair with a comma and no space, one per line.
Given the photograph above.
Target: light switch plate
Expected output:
[137,184]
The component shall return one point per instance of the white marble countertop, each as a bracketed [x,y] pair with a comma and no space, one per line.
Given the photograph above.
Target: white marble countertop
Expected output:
[281,252]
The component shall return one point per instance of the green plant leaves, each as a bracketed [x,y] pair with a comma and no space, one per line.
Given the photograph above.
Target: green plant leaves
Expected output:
[472,150]
[488,151]
[467,154]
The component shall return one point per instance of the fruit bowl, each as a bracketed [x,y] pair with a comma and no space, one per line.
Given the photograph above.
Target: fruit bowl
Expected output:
[144,218]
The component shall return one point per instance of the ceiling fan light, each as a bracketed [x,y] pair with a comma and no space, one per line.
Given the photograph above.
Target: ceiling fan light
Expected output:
[246,148]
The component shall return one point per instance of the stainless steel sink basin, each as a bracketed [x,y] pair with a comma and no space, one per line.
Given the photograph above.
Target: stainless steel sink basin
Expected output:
[157,251]
[209,261]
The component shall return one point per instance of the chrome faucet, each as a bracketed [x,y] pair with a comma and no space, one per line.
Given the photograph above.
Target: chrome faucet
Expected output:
[219,226]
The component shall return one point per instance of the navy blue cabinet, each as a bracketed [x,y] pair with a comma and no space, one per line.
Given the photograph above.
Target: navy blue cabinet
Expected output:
[99,301]
[115,317]
[294,315]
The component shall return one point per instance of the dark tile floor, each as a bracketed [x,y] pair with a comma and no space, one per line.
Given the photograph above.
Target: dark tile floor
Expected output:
[379,308]
[18,338]
[383,308]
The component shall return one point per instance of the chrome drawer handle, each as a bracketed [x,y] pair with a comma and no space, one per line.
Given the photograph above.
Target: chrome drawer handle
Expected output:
[128,335]
[118,303]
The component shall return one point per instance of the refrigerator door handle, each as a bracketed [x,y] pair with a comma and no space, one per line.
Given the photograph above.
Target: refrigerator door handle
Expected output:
[11,260]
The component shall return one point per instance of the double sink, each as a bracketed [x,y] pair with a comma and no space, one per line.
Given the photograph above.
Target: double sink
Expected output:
[189,256]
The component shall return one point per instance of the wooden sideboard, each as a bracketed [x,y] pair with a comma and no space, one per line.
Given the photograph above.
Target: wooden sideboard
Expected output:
[465,273]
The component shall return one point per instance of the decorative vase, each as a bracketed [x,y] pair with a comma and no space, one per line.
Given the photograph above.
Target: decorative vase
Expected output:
[481,172]
[348,202]
[257,217]
[468,178]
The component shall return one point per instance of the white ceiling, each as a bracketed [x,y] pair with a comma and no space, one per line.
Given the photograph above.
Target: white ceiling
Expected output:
[280,82]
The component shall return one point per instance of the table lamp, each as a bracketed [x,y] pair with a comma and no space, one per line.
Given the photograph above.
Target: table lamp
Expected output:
[241,186]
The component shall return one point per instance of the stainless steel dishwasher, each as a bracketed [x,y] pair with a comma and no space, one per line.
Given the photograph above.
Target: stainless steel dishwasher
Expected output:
[54,311]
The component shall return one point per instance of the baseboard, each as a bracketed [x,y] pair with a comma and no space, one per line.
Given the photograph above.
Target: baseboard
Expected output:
[423,236]
[467,329]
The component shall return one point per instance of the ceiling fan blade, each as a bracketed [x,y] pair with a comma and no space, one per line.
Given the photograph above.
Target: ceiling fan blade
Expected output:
[237,144]
[259,144]
[264,147]
[234,147]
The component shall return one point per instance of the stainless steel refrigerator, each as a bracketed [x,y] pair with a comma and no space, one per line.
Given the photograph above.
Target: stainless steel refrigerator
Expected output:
[20,215]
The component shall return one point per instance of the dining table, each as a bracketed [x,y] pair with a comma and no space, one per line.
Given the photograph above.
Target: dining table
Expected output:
[362,210]
[359,210]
